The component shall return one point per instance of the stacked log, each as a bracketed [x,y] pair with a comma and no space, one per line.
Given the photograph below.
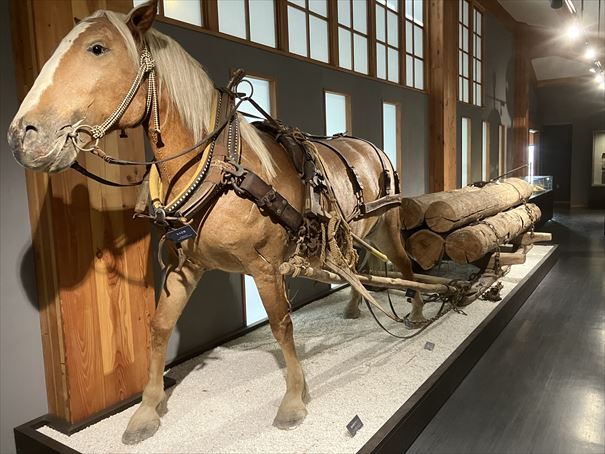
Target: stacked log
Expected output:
[426,248]
[432,216]
[446,215]
[471,243]
[412,209]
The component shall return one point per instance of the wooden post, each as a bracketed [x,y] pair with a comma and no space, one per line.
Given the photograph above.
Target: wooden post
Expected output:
[442,83]
[521,105]
[95,282]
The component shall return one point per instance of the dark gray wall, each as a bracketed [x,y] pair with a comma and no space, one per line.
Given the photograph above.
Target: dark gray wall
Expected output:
[22,388]
[300,95]
[583,106]
[498,105]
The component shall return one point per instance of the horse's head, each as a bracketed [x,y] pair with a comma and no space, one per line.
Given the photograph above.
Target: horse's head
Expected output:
[83,82]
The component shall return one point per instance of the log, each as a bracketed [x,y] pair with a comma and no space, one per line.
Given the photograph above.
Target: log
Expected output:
[530,238]
[426,248]
[507,258]
[470,243]
[376,281]
[446,215]
[412,209]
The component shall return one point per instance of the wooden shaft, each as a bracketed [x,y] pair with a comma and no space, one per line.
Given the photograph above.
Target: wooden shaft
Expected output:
[507,258]
[332,278]
[531,238]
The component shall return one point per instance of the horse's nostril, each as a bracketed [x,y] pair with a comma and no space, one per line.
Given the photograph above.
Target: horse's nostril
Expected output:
[30,128]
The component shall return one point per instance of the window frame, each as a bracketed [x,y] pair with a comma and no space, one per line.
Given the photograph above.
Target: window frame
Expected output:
[468,172]
[210,27]
[272,88]
[485,150]
[474,7]
[398,137]
[502,149]
[424,58]
[335,25]
[348,110]
[308,12]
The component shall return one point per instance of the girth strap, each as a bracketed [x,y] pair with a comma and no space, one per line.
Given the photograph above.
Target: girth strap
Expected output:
[270,201]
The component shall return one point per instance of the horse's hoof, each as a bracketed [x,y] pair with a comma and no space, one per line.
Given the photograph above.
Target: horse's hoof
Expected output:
[351,314]
[132,437]
[288,420]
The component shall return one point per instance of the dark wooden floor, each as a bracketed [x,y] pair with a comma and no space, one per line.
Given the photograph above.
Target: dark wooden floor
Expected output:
[540,387]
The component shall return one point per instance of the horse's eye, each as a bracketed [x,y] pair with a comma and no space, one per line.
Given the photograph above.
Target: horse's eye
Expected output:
[97,49]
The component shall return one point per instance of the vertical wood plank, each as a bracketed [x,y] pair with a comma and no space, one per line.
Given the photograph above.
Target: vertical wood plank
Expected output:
[442,78]
[95,282]
[520,142]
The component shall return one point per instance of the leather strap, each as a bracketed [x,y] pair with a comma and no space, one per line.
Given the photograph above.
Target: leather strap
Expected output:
[270,201]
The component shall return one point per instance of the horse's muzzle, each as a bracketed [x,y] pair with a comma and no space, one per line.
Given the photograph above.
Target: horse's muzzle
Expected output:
[36,150]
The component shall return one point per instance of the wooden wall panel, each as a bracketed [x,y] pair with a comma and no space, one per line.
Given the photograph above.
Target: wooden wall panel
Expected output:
[442,86]
[94,276]
[520,131]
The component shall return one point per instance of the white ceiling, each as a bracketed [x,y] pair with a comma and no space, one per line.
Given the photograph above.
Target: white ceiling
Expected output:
[539,13]
[559,67]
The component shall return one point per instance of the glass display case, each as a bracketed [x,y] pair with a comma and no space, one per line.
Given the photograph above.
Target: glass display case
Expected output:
[540,183]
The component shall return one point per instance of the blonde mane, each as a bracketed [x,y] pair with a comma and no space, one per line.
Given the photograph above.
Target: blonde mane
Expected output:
[193,99]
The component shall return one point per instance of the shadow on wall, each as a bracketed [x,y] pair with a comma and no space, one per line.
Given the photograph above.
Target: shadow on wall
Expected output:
[69,241]
[215,308]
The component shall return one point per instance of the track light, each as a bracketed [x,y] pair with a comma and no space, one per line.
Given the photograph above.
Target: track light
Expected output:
[574,32]
[590,53]
[592,69]
[599,78]
[556,4]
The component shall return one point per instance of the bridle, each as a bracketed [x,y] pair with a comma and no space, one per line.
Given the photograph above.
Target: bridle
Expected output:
[97,132]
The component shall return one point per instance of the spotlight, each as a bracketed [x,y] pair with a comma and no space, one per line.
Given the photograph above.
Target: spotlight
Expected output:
[592,69]
[599,78]
[574,32]
[556,4]
[590,53]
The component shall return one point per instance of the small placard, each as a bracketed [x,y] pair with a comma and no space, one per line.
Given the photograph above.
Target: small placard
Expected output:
[410,293]
[429,346]
[181,234]
[354,425]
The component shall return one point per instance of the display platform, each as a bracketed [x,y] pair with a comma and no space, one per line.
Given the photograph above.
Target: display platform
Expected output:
[225,399]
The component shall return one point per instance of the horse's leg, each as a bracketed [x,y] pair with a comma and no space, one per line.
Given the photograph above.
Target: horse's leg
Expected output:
[146,420]
[292,410]
[390,242]
[352,310]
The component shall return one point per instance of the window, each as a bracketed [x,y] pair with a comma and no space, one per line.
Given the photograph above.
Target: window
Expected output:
[485,171]
[470,55]
[353,35]
[308,28]
[391,133]
[247,19]
[255,311]
[263,93]
[183,10]
[532,153]
[387,40]
[501,150]
[338,118]
[466,153]
[414,44]
[477,58]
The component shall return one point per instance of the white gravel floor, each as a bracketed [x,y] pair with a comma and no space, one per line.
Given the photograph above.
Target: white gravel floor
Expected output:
[226,399]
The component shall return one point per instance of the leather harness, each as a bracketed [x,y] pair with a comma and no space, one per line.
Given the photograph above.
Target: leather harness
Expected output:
[219,169]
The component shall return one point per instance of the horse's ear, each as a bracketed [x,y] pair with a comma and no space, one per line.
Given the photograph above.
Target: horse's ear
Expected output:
[140,19]
[77,20]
